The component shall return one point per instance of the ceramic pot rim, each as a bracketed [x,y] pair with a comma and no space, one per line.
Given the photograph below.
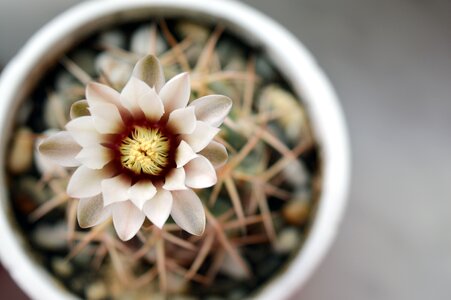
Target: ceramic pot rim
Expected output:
[291,57]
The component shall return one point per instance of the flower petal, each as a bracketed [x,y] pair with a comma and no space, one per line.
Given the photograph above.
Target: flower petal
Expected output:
[97,92]
[200,173]
[216,153]
[188,212]
[127,219]
[133,90]
[184,154]
[79,109]
[85,182]
[175,180]
[149,70]
[176,92]
[61,148]
[83,131]
[107,118]
[151,105]
[212,109]
[141,192]
[182,121]
[95,156]
[159,207]
[90,211]
[115,189]
[201,136]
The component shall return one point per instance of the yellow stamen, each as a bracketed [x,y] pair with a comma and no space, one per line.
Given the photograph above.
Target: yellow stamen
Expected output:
[146,151]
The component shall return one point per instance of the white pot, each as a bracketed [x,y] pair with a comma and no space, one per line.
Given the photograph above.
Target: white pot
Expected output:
[289,56]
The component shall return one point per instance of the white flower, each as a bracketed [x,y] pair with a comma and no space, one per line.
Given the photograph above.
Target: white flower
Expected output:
[139,153]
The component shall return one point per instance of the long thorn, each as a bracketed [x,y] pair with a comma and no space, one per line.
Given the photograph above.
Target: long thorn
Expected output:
[204,58]
[222,239]
[236,201]
[249,88]
[201,256]
[181,57]
[48,206]
[76,71]
[161,265]
[178,241]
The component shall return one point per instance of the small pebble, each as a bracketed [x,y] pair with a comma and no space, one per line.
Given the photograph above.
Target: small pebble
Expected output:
[143,38]
[85,255]
[236,63]
[287,240]
[118,70]
[55,111]
[176,284]
[62,267]
[296,173]
[97,291]
[291,115]
[198,33]
[296,211]
[51,237]
[21,155]
[114,38]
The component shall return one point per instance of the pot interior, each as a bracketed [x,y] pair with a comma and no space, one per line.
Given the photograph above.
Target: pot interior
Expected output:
[291,199]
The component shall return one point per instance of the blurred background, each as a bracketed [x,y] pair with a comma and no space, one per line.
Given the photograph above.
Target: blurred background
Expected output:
[390,62]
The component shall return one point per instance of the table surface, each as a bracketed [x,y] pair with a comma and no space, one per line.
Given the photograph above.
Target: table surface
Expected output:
[390,61]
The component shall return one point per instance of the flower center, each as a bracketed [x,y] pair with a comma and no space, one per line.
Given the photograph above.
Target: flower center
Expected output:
[145,150]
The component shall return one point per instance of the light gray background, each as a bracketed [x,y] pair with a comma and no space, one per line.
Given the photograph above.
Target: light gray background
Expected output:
[390,61]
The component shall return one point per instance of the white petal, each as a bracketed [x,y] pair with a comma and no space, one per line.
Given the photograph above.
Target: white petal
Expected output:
[85,182]
[95,156]
[200,173]
[212,109]
[127,219]
[175,180]
[149,70]
[83,131]
[107,118]
[188,212]
[216,153]
[79,109]
[150,103]
[61,148]
[97,92]
[141,192]
[159,207]
[201,136]
[175,93]
[115,189]
[184,154]
[91,212]
[133,90]
[48,167]
[182,121]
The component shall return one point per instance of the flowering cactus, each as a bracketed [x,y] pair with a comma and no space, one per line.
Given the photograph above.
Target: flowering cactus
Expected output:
[139,153]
